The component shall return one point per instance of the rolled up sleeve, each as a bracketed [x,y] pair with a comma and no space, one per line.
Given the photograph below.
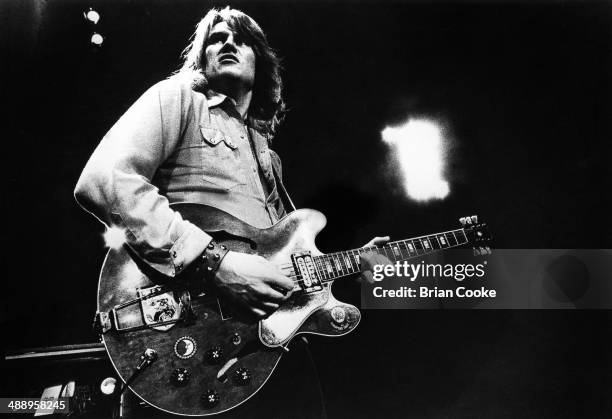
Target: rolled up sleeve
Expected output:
[116,187]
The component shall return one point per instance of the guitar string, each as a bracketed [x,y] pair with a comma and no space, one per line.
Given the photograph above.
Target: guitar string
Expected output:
[343,257]
[321,271]
[341,272]
[386,248]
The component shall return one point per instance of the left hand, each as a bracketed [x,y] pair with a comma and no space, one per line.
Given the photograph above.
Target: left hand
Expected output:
[369,259]
[377,241]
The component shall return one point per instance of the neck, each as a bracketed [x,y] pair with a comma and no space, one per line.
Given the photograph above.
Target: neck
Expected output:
[243,102]
[339,264]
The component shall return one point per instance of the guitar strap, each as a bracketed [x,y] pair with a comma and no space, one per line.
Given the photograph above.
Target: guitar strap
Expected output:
[281,186]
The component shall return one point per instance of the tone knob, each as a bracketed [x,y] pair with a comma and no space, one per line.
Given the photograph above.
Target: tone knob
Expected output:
[242,376]
[338,315]
[210,398]
[214,355]
[180,377]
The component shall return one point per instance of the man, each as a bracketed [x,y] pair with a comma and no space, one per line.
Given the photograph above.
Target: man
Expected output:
[200,136]
[203,136]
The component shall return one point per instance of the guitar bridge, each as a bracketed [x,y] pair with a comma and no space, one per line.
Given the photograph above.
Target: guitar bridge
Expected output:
[304,266]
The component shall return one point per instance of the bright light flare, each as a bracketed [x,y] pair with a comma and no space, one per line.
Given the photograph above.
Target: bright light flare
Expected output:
[108,385]
[420,150]
[97,39]
[92,16]
[114,237]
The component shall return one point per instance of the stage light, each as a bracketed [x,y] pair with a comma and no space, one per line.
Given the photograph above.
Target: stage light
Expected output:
[108,385]
[92,16]
[97,39]
[419,148]
[114,237]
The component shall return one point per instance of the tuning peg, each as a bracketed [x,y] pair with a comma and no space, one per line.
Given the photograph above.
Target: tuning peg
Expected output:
[474,219]
[462,221]
[482,250]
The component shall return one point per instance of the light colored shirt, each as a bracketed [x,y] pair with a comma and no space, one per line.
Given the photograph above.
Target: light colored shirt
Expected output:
[175,144]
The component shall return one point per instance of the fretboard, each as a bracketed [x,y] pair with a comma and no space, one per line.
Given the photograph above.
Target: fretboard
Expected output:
[335,265]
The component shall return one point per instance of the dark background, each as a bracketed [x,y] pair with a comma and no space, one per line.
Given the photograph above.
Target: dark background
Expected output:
[523,89]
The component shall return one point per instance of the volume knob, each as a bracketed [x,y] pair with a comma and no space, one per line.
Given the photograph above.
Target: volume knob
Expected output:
[214,355]
[338,315]
[210,398]
[242,376]
[180,377]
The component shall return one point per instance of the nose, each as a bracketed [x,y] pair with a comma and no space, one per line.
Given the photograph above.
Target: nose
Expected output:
[230,41]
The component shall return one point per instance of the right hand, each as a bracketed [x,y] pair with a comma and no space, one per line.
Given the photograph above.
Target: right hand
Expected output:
[253,282]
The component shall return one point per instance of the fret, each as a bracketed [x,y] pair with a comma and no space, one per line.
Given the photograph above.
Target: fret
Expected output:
[451,238]
[403,250]
[386,251]
[342,263]
[454,233]
[323,267]
[330,267]
[418,246]
[331,262]
[397,253]
[435,243]
[319,266]
[369,250]
[357,259]
[354,261]
[316,267]
[337,264]
[462,237]
[411,248]
[348,263]
[442,241]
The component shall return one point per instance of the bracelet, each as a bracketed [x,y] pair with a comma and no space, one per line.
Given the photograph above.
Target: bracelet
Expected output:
[211,258]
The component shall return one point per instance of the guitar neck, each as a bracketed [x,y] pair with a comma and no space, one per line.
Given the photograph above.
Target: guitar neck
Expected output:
[339,264]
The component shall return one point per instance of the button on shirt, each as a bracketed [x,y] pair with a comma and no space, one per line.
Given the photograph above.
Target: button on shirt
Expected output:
[176,144]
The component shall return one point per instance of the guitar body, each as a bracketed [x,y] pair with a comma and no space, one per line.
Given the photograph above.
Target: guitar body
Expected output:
[209,357]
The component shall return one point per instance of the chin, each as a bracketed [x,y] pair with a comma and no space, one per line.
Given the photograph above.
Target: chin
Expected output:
[230,74]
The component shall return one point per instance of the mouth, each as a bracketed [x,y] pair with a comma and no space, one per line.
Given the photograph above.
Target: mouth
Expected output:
[226,58]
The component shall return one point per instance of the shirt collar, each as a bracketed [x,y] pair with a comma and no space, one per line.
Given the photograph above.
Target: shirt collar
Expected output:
[215,99]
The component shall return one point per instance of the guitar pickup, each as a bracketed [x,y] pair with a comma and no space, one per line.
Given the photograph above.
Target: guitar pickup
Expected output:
[304,266]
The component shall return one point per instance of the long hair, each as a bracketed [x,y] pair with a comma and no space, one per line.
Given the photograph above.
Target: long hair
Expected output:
[267,107]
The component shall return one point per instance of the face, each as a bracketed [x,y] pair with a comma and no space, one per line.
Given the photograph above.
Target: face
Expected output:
[228,58]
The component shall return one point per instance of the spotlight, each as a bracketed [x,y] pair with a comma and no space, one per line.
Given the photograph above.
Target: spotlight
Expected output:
[92,16]
[108,385]
[419,147]
[97,39]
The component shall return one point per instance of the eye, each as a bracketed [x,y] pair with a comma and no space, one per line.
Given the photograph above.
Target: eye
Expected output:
[216,38]
[239,39]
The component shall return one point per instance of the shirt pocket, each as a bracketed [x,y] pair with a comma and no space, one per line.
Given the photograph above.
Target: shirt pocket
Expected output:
[221,161]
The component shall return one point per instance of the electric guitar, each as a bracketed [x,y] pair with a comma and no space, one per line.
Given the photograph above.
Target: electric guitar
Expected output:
[186,351]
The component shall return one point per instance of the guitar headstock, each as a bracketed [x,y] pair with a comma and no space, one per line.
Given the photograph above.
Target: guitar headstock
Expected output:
[477,233]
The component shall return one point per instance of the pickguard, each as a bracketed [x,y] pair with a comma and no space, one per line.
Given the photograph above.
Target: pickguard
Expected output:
[277,329]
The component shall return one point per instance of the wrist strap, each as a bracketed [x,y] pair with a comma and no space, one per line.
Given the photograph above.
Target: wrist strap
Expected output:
[211,258]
